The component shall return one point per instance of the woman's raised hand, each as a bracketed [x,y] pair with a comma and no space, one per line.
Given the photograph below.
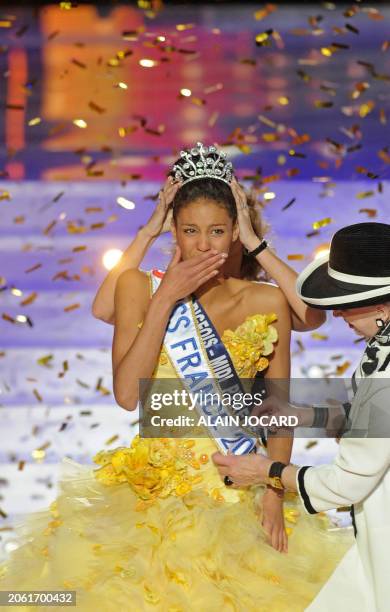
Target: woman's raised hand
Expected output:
[183,277]
[160,221]
[248,237]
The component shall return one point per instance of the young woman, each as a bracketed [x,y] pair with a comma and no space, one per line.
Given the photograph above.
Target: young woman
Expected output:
[266,264]
[353,281]
[153,528]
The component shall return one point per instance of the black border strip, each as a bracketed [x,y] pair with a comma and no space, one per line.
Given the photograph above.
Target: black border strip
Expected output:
[302,490]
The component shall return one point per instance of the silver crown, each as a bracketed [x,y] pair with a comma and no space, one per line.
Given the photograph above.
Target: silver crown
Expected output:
[203,162]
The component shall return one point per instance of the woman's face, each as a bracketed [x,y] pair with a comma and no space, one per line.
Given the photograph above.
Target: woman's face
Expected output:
[202,226]
[363,320]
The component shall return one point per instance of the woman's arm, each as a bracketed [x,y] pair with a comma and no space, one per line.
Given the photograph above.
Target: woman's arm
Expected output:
[140,321]
[103,304]
[279,447]
[159,222]
[304,318]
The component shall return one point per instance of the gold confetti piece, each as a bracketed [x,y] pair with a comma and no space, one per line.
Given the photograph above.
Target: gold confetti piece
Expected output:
[366,108]
[15,106]
[79,248]
[20,219]
[48,229]
[322,223]
[85,386]
[4,23]
[382,116]
[7,317]
[371,212]
[93,209]
[327,51]
[45,361]
[283,100]
[317,336]
[262,13]
[213,119]
[21,465]
[323,103]
[33,268]
[77,63]
[342,368]
[71,307]
[80,123]
[311,444]
[111,440]
[181,27]
[3,514]
[95,107]
[295,256]
[37,395]
[29,299]
[262,38]
[34,121]
[352,28]
[5,195]
[364,194]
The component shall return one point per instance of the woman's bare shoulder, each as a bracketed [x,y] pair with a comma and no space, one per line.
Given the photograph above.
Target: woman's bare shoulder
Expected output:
[133,282]
[265,296]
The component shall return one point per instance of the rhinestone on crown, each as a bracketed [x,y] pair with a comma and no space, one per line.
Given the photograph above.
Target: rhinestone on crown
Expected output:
[203,162]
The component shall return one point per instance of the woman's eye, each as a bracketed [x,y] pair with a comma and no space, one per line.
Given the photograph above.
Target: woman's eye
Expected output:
[218,231]
[189,230]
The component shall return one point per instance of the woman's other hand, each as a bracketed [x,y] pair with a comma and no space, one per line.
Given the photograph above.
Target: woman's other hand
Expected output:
[273,520]
[160,221]
[248,237]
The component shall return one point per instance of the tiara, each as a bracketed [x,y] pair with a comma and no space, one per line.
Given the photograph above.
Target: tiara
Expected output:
[203,162]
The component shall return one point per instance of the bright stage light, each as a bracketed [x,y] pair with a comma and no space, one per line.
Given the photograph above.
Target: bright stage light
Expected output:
[111,258]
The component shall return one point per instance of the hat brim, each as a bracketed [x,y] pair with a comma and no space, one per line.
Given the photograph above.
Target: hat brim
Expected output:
[319,290]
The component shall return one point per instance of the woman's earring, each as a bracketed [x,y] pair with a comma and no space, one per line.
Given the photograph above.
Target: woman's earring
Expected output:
[380,323]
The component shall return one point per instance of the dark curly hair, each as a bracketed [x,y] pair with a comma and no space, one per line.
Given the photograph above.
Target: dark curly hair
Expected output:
[221,194]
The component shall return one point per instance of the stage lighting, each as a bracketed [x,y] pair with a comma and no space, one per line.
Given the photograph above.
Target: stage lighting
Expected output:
[111,258]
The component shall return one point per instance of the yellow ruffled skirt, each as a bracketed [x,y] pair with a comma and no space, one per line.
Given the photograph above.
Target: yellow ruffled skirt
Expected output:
[148,543]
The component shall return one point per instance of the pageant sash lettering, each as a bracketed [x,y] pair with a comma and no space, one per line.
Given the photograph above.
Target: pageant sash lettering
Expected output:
[203,364]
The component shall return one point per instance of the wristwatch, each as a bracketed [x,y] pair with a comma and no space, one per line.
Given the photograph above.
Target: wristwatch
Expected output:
[275,475]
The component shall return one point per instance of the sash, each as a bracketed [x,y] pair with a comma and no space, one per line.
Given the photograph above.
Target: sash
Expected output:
[203,364]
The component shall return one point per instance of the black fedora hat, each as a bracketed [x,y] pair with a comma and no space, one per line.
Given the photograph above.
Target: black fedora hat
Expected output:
[355,273]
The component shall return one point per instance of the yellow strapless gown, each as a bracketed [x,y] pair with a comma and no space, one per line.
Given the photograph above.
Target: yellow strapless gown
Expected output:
[154,529]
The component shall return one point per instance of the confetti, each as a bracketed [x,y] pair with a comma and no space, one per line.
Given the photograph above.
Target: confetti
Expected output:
[95,107]
[37,395]
[318,336]
[33,268]
[371,212]
[29,299]
[342,368]
[45,360]
[297,256]
[71,307]
[322,223]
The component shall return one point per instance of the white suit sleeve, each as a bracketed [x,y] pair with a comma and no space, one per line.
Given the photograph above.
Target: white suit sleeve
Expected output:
[355,472]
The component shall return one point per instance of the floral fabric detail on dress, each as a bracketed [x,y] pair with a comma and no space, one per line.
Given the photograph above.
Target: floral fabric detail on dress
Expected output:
[152,467]
[250,343]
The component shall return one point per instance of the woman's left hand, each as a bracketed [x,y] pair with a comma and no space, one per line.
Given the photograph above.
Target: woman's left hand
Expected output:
[247,234]
[243,470]
[273,520]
